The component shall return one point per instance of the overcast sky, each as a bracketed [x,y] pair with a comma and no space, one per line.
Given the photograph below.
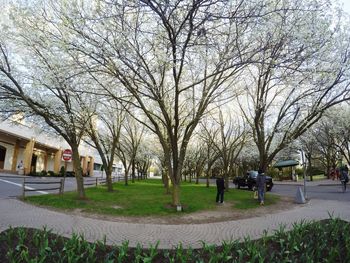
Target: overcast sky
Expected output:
[346,5]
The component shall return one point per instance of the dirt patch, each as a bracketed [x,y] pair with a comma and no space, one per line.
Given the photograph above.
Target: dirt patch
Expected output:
[224,212]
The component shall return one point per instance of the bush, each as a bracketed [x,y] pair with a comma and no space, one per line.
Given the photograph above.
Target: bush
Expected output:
[273,172]
[62,171]
[52,174]
[34,174]
[315,171]
[43,173]
[70,174]
[300,172]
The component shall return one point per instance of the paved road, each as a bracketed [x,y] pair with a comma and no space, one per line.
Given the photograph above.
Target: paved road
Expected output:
[324,189]
[324,192]
[11,186]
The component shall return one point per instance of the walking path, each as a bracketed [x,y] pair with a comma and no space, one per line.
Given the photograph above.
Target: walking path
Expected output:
[16,213]
[323,182]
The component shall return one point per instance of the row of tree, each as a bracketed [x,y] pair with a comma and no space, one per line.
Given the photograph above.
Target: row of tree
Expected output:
[85,67]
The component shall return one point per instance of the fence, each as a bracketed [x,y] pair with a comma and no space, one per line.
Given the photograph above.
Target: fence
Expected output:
[59,185]
[25,187]
[98,180]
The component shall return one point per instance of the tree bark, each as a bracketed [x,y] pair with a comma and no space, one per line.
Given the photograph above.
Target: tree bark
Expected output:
[176,195]
[78,172]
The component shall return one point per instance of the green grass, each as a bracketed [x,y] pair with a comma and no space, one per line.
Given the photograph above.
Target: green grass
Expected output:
[147,198]
[315,177]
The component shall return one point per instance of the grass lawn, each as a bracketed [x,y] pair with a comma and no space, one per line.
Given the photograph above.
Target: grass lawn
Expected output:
[148,198]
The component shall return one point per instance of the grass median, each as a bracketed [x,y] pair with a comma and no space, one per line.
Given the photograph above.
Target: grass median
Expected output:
[147,198]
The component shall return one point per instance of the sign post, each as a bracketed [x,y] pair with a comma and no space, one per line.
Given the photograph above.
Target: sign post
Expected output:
[67,157]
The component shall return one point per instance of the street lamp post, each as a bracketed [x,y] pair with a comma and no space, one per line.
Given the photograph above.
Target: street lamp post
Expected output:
[304,166]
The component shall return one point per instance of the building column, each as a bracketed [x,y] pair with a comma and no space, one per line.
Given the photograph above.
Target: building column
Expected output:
[57,163]
[28,154]
[91,166]
[84,164]
[15,156]
[46,154]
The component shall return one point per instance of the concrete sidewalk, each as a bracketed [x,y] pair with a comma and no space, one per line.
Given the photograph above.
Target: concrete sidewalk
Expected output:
[16,213]
[300,182]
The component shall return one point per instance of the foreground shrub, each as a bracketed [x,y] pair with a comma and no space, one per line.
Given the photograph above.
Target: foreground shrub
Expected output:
[324,241]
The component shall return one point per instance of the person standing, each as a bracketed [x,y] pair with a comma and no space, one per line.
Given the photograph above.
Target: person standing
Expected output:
[344,176]
[20,168]
[220,187]
[20,165]
[260,183]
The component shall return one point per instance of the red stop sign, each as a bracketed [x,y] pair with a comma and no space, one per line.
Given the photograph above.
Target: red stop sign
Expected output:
[67,155]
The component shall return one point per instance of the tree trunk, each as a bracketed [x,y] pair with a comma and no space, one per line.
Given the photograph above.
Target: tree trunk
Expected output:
[109,180]
[226,183]
[78,172]
[309,168]
[165,179]
[133,171]
[176,195]
[126,173]
[208,178]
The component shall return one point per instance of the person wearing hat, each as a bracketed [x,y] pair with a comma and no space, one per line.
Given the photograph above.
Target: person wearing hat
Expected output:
[260,183]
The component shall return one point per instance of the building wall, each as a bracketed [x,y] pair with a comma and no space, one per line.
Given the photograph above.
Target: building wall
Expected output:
[50,162]
[46,147]
[8,156]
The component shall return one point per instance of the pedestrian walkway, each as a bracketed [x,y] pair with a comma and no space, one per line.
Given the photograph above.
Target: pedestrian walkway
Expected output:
[323,182]
[16,213]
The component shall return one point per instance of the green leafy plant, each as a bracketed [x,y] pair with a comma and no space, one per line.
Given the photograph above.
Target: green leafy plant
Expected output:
[324,241]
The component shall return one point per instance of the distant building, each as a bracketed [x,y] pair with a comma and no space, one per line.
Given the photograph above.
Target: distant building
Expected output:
[37,151]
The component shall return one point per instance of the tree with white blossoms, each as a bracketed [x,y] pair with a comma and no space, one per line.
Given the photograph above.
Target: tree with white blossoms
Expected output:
[104,131]
[174,58]
[330,138]
[228,140]
[144,157]
[195,161]
[208,135]
[302,71]
[339,119]
[131,136]
[39,79]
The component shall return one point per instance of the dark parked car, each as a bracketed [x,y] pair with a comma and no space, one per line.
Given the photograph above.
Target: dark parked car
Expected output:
[249,180]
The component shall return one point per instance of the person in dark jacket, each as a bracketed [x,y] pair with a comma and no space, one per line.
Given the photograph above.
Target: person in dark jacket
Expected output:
[260,183]
[344,175]
[220,186]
